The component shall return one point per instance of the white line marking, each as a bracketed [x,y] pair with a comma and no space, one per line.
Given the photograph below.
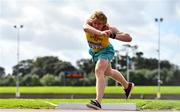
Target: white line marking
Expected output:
[50,103]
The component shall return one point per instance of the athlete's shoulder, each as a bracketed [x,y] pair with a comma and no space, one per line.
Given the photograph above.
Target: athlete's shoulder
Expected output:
[113,29]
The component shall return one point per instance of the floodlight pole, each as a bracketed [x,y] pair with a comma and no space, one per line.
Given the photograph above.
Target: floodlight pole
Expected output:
[116,63]
[128,48]
[127,59]
[159,20]
[18,47]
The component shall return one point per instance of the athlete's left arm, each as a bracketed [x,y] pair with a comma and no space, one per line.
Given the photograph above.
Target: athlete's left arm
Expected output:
[122,36]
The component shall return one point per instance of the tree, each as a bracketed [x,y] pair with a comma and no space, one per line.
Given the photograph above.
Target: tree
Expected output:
[2,72]
[166,64]
[24,67]
[139,54]
[50,65]
[86,65]
[30,80]
[150,63]
[44,65]
[48,80]
[62,66]
[176,77]
[8,80]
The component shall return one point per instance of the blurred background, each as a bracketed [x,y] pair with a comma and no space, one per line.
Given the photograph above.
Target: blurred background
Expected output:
[42,42]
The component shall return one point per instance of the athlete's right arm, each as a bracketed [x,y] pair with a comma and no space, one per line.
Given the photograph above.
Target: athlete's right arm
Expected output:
[122,36]
[90,29]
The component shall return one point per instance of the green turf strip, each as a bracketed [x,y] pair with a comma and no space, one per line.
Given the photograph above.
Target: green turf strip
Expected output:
[45,103]
[87,90]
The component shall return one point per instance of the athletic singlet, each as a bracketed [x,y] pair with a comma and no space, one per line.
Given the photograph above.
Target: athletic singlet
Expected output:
[96,43]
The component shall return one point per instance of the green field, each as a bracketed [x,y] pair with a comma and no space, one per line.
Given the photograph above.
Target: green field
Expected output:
[47,103]
[59,89]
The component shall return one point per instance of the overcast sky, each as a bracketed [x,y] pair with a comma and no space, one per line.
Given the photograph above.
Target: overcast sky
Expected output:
[54,28]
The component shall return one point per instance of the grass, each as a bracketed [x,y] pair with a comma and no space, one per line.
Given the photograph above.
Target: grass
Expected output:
[84,90]
[42,103]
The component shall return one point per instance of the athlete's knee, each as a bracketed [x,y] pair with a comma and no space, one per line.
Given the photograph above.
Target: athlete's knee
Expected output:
[99,72]
[109,72]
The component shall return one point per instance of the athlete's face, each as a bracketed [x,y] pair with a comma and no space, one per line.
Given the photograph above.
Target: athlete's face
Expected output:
[98,24]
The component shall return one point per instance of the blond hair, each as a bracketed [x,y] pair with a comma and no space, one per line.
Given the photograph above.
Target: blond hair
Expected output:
[99,15]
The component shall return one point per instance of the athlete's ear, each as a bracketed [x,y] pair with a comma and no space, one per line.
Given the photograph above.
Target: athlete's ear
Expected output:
[89,22]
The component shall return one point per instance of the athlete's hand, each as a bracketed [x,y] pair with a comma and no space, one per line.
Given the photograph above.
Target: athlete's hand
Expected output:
[106,32]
